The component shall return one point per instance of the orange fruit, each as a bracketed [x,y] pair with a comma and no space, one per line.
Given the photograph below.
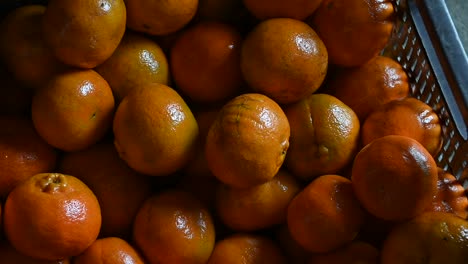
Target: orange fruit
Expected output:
[157,17]
[74,110]
[357,252]
[284,59]
[16,98]
[354,31]
[205,61]
[84,33]
[406,117]
[23,49]
[137,60]
[109,250]
[9,255]
[432,237]
[450,196]
[394,178]
[120,190]
[174,227]
[246,249]
[258,207]
[23,153]
[326,214]
[297,9]
[324,136]
[51,216]
[247,143]
[155,131]
[369,86]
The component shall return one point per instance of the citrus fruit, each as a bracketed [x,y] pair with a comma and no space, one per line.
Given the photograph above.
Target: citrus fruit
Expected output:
[84,33]
[247,143]
[284,59]
[155,131]
[174,227]
[394,177]
[109,250]
[51,216]
[74,110]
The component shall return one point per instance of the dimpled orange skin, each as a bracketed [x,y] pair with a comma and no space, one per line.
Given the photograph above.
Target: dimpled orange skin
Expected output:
[365,88]
[137,60]
[247,143]
[285,59]
[406,117]
[450,197]
[394,178]
[246,249]
[174,227]
[297,9]
[51,216]
[433,237]
[326,214]
[23,48]
[9,255]
[84,33]
[159,17]
[258,207]
[109,250]
[354,31]
[155,131]
[205,62]
[23,153]
[324,136]
[74,110]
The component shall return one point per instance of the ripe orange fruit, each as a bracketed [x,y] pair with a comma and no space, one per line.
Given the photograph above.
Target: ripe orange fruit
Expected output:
[157,17]
[51,216]
[74,110]
[450,196]
[258,207]
[23,153]
[109,250]
[369,86]
[120,190]
[9,255]
[354,31]
[284,59]
[325,215]
[324,136]
[174,227]
[247,143]
[137,60]
[155,131]
[246,249]
[406,117]
[205,61]
[357,252]
[394,177]
[23,49]
[84,33]
[432,237]
[297,9]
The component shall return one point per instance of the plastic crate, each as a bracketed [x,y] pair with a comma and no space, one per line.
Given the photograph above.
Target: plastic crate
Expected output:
[426,44]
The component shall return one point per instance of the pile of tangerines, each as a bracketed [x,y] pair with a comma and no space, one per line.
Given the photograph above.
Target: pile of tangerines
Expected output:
[205,131]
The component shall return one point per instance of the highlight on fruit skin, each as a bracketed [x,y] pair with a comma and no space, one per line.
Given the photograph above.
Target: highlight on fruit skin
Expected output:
[247,143]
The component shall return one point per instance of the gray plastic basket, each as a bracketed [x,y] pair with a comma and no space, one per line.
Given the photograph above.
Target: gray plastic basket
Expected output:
[426,44]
